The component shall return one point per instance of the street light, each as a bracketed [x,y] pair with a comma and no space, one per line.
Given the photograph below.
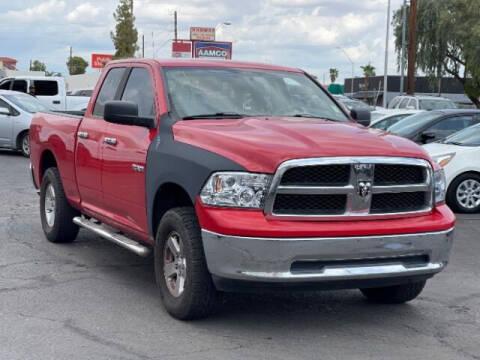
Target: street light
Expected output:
[351,62]
[219,25]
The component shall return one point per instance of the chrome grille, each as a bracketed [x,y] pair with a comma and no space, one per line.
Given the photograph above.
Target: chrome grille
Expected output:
[331,188]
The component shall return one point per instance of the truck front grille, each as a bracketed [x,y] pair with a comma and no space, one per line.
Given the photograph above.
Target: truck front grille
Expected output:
[354,186]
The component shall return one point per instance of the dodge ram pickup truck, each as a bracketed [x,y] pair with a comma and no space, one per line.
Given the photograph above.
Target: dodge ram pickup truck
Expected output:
[241,177]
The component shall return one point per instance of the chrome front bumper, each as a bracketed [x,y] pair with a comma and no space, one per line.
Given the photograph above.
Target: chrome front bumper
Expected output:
[274,260]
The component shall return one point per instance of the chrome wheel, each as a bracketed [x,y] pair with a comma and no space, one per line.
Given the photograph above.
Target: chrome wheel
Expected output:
[468,194]
[26,145]
[174,264]
[50,205]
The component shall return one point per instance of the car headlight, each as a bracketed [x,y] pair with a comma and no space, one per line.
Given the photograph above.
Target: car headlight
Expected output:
[440,184]
[235,189]
[443,160]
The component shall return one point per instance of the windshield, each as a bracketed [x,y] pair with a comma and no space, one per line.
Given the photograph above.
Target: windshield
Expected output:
[466,137]
[26,102]
[413,123]
[436,104]
[247,92]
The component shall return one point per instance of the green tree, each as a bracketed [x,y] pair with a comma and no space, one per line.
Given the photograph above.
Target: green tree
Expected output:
[333,74]
[126,35]
[77,65]
[37,65]
[448,41]
[368,72]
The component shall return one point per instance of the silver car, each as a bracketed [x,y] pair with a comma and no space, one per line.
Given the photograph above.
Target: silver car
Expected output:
[16,112]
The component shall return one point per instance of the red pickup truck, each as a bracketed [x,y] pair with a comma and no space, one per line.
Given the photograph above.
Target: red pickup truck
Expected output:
[240,177]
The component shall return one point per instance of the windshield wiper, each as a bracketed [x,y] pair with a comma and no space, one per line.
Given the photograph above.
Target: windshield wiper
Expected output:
[217,115]
[453,143]
[312,116]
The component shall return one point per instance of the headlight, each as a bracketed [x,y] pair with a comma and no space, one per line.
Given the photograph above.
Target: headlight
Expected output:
[440,184]
[235,189]
[443,160]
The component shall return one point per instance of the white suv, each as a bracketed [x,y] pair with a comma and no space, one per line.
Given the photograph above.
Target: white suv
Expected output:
[421,103]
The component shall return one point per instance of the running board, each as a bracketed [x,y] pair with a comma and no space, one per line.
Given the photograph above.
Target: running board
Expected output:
[118,239]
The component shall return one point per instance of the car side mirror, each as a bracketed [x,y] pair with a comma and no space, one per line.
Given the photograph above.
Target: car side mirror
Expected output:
[4,111]
[362,116]
[125,113]
[428,135]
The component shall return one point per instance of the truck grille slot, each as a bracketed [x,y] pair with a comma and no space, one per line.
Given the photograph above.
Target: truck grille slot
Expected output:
[397,202]
[310,204]
[306,266]
[323,175]
[335,188]
[398,175]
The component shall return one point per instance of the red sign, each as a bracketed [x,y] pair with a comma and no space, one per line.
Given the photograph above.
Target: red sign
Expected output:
[100,60]
[182,49]
[202,33]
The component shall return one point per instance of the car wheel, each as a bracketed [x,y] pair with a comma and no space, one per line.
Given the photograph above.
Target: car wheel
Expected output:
[55,212]
[397,294]
[464,193]
[181,272]
[25,144]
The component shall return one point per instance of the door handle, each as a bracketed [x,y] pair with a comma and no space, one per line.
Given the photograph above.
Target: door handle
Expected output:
[138,168]
[56,102]
[82,134]
[110,141]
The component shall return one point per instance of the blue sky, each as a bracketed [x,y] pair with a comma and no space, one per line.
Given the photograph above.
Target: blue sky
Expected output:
[298,33]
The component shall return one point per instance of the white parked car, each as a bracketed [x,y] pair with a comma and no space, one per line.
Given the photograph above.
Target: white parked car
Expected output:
[459,154]
[421,102]
[16,113]
[50,90]
[384,118]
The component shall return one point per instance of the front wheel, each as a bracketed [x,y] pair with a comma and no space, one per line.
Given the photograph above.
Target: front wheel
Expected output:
[464,193]
[397,294]
[181,271]
[25,144]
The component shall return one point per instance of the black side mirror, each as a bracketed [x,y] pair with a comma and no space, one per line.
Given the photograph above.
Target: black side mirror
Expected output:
[362,116]
[125,113]
[427,136]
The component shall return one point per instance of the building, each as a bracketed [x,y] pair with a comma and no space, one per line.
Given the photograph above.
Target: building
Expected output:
[450,88]
[7,63]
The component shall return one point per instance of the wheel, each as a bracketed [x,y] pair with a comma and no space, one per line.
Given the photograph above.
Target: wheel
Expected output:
[55,212]
[181,272]
[24,143]
[464,193]
[397,294]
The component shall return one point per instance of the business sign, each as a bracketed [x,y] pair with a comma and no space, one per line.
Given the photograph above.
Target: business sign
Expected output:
[212,50]
[182,49]
[202,33]
[100,60]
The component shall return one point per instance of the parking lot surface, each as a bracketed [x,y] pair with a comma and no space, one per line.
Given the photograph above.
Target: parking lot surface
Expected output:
[93,300]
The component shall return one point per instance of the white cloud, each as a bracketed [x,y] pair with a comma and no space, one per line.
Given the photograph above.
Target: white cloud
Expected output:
[84,12]
[43,10]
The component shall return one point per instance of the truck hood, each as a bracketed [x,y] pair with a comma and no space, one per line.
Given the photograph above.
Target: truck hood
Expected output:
[260,144]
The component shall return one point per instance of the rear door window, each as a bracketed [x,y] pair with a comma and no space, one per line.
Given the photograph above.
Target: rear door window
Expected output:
[46,87]
[6,85]
[109,90]
[451,125]
[139,90]
[20,85]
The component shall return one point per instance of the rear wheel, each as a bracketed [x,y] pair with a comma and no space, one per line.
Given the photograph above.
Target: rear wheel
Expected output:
[55,212]
[397,294]
[24,144]
[464,193]
[181,271]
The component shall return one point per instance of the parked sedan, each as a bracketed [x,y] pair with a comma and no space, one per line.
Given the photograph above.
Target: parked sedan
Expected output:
[459,154]
[383,119]
[436,125]
[16,112]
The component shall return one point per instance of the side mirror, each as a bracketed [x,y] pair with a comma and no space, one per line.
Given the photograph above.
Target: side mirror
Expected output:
[426,136]
[362,116]
[125,113]
[4,111]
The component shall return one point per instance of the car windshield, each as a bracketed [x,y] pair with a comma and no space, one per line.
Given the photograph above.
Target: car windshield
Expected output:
[200,92]
[466,137]
[436,104]
[26,102]
[413,123]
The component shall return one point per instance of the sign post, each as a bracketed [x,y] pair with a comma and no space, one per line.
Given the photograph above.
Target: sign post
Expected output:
[202,33]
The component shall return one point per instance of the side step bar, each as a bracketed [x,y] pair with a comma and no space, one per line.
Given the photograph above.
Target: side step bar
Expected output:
[118,239]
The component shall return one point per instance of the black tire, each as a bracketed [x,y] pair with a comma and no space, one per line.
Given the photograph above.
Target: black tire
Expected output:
[397,294]
[25,150]
[452,200]
[199,295]
[61,229]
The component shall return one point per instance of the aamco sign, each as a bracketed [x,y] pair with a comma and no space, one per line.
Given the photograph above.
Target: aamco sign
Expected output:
[212,50]
[100,60]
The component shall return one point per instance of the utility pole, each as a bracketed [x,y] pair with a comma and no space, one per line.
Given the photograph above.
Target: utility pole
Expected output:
[175,24]
[143,45]
[385,73]
[153,46]
[404,31]
[70,62]
[412,47]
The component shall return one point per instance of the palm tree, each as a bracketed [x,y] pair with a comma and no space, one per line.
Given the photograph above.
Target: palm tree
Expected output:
[333,74]
[368,72]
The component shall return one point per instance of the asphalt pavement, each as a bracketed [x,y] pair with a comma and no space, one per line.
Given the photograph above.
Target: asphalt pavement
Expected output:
[94,300]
